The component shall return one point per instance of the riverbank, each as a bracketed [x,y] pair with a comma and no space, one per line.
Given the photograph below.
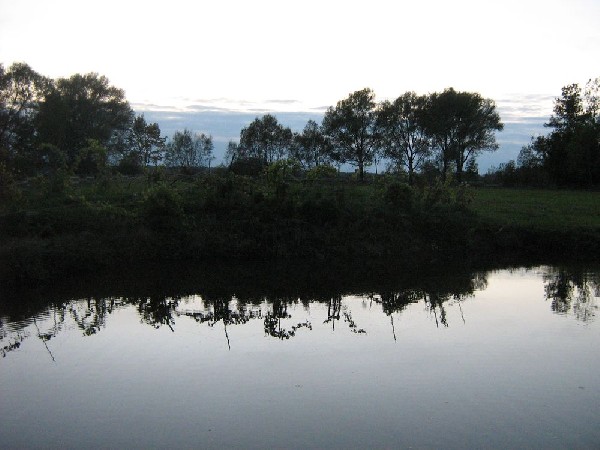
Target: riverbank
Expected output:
[86,226]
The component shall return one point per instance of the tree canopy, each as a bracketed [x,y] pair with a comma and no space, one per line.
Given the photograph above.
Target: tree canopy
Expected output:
[402,130]
[570,154]
[188,150]
[351,128]
[145,142]
[311,147]
[461,125]
[266,139]
[21,92]
[80,108]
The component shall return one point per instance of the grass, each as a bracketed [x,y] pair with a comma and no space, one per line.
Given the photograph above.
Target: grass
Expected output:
[539,209]
[95,224]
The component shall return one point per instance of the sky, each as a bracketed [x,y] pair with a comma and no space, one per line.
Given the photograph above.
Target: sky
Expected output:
[186,59]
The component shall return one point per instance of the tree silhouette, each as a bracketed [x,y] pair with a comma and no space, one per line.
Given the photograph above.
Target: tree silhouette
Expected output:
[351,128]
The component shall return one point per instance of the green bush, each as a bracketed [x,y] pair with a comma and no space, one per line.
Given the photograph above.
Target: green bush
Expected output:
[323,172]
[250,167]
[162,209]
[9,192]
[130,165]
[399,196]
[283,170]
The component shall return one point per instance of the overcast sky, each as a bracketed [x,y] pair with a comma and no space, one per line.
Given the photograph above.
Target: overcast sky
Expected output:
[301,54]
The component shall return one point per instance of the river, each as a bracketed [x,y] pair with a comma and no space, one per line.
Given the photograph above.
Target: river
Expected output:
[491,359]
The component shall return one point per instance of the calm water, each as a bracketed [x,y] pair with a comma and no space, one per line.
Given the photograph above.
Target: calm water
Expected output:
[504,359]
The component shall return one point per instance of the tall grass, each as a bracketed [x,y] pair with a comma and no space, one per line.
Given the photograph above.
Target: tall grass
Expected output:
[539,209]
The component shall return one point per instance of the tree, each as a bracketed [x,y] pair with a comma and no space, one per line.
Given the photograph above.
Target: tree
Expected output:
[568,110]
[266,139]
[187,150]
[80,108]
[21,90]
[570,154]
[311,147]
[461,125]
[351,128]
[145,142]
[232,154]
[403,134]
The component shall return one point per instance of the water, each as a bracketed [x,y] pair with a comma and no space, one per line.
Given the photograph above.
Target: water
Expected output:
[503,359]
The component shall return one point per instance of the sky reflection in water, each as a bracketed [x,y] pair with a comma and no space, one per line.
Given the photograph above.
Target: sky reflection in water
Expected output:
[503,359]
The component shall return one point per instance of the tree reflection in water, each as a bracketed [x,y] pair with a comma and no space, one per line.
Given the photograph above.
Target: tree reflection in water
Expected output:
[572,290]
[218,310]
[273,318]
[89,315]
[157,310]
[568,290]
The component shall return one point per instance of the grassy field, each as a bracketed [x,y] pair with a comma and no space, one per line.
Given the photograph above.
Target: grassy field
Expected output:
[548,210]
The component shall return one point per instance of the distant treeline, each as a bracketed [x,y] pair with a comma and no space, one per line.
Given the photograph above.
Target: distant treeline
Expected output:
[84,126]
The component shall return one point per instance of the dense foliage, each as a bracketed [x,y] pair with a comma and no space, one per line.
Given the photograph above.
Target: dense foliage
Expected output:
[80,125]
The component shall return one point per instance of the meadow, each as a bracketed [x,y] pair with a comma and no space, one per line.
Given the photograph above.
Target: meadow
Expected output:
[539,209]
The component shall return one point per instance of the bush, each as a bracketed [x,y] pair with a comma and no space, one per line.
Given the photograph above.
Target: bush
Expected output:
[9,192]
[321,173]
[399,196]
[250,167]
[283,170]
[92,160]
[162,208]
[130,165]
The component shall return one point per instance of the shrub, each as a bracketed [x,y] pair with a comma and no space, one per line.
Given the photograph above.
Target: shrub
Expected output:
[130,165]
[250,167]
[322,172]
[283,170]
[162,208]
[399,196]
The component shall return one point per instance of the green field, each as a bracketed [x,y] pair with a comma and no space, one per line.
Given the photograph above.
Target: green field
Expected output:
[541,209]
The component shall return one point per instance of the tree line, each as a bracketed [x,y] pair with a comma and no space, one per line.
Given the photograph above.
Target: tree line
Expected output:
[84,125]
[440,132]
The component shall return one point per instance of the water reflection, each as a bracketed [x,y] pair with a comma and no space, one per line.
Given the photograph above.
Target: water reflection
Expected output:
[573,290]
[570,292]
[449,360]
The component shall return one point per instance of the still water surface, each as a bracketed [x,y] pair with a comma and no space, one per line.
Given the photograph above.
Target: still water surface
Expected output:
[503,359]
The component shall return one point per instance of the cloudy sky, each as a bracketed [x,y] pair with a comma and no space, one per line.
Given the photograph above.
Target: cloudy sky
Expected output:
[254,55]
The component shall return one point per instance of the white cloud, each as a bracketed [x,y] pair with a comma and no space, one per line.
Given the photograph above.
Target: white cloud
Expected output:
[314,51]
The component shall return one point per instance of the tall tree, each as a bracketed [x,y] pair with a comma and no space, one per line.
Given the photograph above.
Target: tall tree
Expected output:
[188,150]
[311,147]
[80,108]
[461,125]
[403,136]
[568,110]
[351,127]
[21,90]
[266,139]
[570,154]
[145,142]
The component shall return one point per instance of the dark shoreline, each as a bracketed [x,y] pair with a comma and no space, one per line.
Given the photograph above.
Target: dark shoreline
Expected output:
[218,220]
